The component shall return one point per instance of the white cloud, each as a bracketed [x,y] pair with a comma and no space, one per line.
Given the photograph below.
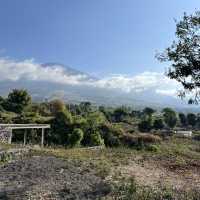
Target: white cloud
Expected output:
[140,82]
[167,92]
[29,70]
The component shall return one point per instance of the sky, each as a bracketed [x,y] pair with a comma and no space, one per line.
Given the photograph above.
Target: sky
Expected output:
[98,37]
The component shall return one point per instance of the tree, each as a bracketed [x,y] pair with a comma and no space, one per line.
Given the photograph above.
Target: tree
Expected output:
[191,118]
[120,113]
[95,139]
[86,107]
[183,119]
[57,106]
[148,111]
[95,119]
[1,100]
[111,134]
[106,112]
[76,137]
[145,125]
[170,117]
[184,57]
[198,120]
[61,127]
[1,104]
[17,100]
[158,124]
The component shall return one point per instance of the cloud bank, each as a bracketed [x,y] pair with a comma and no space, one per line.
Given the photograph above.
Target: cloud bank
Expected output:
[11,70]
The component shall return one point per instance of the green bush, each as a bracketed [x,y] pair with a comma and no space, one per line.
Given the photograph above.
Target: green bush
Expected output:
[95,139]
[158,124]
[152,148]
[111,134]
[61,126]
[145,126]
[76,137]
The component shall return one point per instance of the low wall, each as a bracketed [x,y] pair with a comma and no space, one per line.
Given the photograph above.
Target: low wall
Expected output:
[5,134]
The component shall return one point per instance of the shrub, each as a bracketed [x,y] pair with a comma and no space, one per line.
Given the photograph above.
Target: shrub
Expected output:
[76,137]
[196,136]
[158,124]
[111,135]
[61,125]
[141,140]
[149,139]
[1,109]
[153,148]
[95,139]
[145,126]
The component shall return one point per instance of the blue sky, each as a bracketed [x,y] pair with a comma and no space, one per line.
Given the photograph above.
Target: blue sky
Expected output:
[99,37]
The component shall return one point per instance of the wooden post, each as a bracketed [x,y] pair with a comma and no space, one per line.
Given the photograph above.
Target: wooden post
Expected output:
[42,140]
[10,138]
[25,135]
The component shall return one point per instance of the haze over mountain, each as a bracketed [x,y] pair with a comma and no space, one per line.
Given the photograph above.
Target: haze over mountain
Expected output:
[53,80]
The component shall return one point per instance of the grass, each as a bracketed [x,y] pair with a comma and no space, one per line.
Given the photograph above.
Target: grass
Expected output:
[180,151]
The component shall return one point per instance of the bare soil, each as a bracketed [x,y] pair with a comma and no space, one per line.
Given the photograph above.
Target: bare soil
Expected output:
[153,173]
[40,177]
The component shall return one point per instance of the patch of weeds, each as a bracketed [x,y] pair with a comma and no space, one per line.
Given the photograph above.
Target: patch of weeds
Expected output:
[5,157]
[130,190]
[102,168]
[153,148]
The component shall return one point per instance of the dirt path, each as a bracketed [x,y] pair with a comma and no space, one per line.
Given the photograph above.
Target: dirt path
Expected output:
[49,178]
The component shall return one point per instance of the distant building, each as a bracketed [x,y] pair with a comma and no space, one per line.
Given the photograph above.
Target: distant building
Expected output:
[184,133]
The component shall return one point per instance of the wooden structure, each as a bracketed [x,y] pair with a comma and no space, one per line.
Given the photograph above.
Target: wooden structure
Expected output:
[10,127]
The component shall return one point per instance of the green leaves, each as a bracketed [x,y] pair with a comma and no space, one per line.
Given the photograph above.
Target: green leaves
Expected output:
[184,55]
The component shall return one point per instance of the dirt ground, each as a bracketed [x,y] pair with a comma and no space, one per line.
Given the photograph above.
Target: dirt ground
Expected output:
[45,178]
[72,173]
[151,173]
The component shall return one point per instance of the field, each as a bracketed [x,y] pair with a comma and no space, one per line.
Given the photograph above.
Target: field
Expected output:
[172,171]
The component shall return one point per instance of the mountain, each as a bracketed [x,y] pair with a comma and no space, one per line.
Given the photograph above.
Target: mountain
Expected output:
[54,80]
[68,70]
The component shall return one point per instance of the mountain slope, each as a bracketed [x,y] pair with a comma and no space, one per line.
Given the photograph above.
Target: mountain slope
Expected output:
[75,86]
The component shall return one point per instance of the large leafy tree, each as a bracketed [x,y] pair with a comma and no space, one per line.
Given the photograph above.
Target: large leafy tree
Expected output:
[158,124]
[184,56]
[17,100]
[61,127]
[145,125]
[170,117]
[191,118]
[57,106]
[183,119]
[148,111]
[120,114]
[85,107]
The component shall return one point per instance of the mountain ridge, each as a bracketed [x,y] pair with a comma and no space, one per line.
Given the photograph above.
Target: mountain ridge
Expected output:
[41,90]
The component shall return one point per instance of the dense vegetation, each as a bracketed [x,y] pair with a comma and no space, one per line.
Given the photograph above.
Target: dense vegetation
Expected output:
[88,125]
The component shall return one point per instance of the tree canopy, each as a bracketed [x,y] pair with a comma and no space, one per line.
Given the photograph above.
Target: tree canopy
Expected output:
[17,100]
[170,117]
[184,56]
